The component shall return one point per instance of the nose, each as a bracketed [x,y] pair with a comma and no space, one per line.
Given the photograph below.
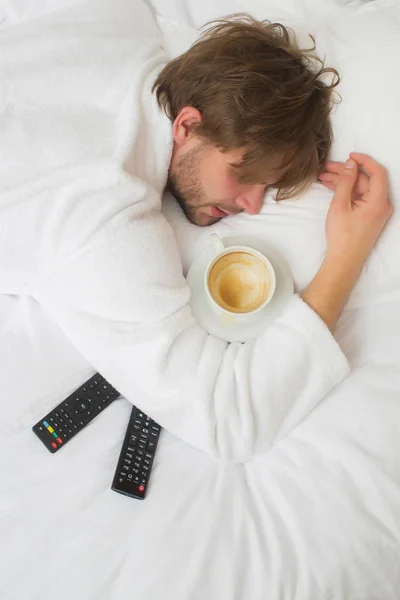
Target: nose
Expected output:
[251,198]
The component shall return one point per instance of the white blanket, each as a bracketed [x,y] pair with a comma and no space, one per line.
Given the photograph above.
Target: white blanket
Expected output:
[315,517]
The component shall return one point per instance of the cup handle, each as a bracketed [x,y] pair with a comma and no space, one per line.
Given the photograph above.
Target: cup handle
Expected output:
[217,243]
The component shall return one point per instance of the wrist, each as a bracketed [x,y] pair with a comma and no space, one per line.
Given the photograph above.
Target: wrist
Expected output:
[343,262]
[328,292]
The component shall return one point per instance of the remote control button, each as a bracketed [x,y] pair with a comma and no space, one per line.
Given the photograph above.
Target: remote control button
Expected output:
[143,480]
[54,444]
[141,488]
[45,423]
[154,434]
[98,393]
[136,427]
[136,464]
[138,421]
[59,440]
[129,455]
[130,476]
[135,470]
[146,431]
[146,462]
[141,445]
[82,405]
[155,428]
[147,455]
[127,461]
[133,439]
[140,415]
[147,423]
[104,386]
[54,434]
[136,479]
[151,446]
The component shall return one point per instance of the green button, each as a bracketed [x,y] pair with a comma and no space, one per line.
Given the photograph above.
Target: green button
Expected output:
[54,434]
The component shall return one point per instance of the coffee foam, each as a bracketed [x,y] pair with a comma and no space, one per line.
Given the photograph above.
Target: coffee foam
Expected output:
[239,282]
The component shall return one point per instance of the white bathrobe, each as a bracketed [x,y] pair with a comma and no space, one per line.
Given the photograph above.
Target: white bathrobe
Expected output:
[84,158]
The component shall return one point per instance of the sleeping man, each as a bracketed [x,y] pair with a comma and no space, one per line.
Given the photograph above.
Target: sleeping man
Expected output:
[94,124]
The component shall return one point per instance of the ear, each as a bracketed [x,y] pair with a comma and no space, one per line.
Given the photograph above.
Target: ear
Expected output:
[182,127]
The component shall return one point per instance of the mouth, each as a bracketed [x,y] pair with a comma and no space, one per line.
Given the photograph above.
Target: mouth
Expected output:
[217,212]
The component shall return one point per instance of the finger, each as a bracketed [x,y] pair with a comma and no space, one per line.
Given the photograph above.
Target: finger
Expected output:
[362,185]
[334,167]
[328,177]
[377,172]
[329,185]
[346,182]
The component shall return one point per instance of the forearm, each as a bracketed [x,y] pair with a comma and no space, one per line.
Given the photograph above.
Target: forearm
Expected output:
[330,289]
[126,309]
[232,401]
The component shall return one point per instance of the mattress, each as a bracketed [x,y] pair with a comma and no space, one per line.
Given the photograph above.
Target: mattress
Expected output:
[316,517]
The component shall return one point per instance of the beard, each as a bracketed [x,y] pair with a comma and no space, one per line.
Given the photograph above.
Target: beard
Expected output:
[184,184]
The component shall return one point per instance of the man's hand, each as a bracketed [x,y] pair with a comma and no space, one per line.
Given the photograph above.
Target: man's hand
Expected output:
[359,209]
[356,217]
[330,178]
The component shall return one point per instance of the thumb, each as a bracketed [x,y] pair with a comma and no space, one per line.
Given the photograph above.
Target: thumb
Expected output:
[346,182]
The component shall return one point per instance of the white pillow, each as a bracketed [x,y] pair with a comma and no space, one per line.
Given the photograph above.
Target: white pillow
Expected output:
[195,13]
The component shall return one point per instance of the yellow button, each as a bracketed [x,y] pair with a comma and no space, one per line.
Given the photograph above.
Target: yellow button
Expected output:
[50,429]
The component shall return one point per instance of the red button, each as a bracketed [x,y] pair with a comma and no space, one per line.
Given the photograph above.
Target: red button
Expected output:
[141,488]
[54,444]
[59,440]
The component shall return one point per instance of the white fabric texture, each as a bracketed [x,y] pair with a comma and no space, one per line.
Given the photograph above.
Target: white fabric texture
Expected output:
[90,243]
[315,517]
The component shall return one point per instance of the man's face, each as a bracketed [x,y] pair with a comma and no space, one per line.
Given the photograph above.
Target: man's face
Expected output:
[207,191]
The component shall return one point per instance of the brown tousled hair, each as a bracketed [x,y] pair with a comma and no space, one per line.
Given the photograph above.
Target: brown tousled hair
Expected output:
[256,90]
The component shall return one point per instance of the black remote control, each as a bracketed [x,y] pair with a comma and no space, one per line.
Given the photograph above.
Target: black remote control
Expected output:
[73,413]
[137,455]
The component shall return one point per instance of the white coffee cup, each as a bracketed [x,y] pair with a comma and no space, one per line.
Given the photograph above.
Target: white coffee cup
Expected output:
[252,277]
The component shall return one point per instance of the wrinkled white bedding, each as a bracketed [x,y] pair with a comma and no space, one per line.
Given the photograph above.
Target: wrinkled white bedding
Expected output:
[318,516]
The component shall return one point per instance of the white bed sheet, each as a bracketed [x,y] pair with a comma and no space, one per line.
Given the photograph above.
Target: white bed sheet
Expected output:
[317,517]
